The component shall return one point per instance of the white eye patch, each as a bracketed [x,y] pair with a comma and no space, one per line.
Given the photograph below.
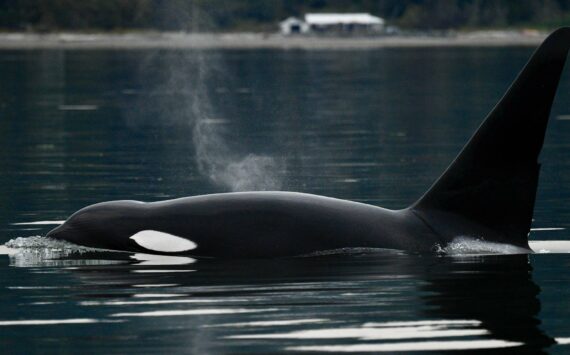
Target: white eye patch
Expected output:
[163,242]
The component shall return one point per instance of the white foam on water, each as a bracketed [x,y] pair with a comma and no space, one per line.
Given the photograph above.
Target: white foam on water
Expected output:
[562,341]
[155,285]
[39,242]
[410,346]
[470,246]
[41,251]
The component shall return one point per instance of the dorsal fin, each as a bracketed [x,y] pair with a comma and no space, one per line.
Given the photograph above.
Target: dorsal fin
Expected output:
[493,181]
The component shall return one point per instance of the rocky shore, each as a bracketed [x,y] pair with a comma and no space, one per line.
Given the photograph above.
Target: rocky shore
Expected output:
[165,40]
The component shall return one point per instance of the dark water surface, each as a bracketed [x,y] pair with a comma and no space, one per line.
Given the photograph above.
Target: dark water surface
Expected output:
[376,126]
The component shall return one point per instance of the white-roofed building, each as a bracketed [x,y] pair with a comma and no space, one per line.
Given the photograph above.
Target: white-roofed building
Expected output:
[293,25]
[356,23]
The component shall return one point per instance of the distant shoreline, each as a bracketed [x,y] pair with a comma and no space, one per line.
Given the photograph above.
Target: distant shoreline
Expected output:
[170,40]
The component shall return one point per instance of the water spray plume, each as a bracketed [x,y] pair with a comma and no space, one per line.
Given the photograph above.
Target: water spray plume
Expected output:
[214,157]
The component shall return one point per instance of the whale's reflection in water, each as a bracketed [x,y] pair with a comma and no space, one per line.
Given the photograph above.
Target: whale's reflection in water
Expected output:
[367,301]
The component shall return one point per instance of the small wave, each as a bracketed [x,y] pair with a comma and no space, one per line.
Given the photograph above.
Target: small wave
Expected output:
[42,251]
[471,246]
[39,242]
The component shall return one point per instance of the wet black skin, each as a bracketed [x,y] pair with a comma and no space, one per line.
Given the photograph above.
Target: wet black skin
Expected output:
[488,192]
[250,224]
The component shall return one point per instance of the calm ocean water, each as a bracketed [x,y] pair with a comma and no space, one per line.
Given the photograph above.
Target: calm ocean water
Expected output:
[376,126]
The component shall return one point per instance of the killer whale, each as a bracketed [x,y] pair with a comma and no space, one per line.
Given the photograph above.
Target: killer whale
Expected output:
[488,192]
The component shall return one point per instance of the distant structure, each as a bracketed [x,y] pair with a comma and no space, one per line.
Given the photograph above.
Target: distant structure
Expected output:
[293,25]
[357,23]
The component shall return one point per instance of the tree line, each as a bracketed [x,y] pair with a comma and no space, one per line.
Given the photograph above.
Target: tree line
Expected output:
[240,15]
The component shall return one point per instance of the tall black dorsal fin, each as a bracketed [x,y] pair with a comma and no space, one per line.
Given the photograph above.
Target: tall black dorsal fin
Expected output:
[492,182]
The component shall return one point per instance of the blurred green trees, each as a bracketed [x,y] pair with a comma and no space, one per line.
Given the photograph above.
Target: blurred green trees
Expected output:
[227,15]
